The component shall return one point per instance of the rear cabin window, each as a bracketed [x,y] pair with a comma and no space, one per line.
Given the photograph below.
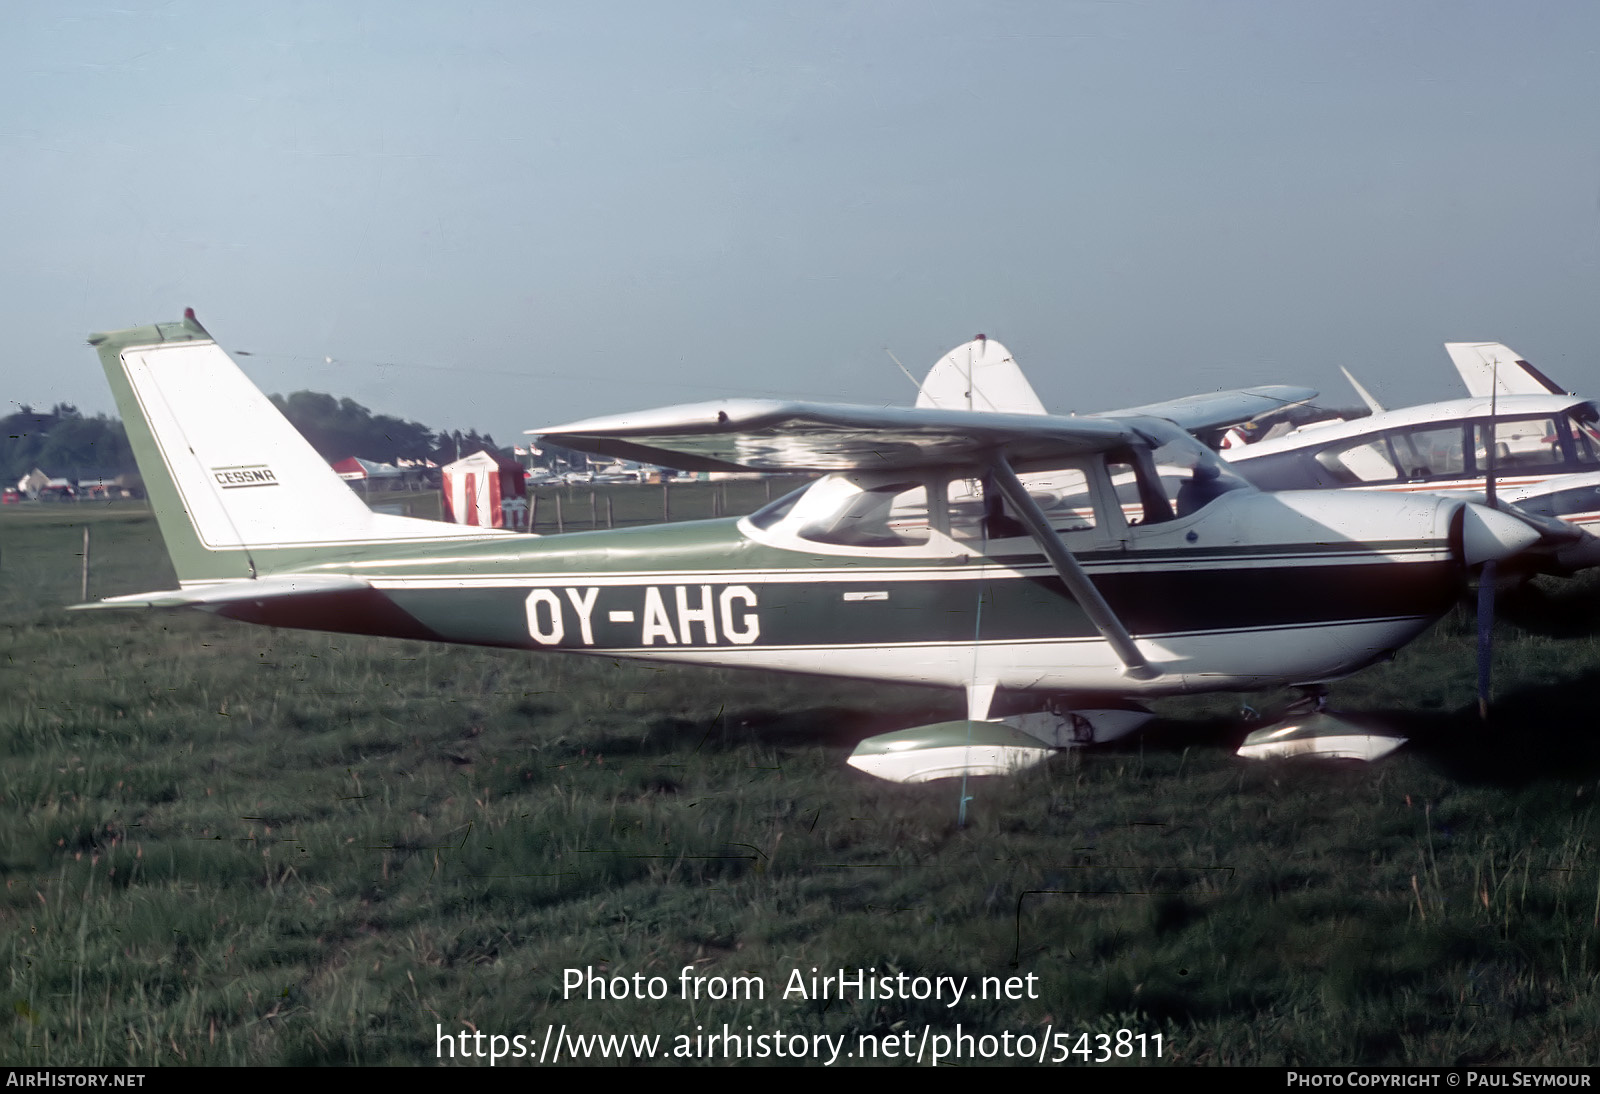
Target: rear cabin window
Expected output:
[978,514]
[1358,462]
[1430,453]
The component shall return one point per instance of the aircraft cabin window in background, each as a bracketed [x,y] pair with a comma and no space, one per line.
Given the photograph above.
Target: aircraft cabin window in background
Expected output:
[1528,443]
[1585,437]
[979,514]
[1430,453]
[1359,461]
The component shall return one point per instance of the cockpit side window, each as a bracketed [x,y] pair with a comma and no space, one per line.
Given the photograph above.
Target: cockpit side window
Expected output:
[1430,453]
[978,513]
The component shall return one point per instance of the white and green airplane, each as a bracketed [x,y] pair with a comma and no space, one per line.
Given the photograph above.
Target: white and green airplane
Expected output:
[1029,554]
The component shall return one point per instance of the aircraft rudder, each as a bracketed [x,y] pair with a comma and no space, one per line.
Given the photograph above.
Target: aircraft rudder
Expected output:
[1490,367]
[190,557]
[979,375]
[229,478]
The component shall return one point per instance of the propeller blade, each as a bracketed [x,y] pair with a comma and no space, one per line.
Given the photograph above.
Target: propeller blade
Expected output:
[1486,575]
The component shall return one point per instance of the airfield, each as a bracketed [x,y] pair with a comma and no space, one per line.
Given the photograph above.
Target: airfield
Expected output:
[226,844]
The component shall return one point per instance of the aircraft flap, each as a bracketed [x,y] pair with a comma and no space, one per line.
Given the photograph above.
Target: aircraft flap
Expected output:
[1221,408]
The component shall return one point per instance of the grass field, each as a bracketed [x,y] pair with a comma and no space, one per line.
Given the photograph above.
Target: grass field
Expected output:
[233,845]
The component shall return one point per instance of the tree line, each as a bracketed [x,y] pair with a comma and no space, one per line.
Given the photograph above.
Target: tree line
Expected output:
[63,442]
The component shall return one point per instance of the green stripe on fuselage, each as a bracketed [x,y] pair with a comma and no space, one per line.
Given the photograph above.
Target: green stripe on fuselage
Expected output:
[703,584]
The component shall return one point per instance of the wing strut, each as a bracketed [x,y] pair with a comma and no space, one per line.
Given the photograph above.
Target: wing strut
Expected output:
[1077,582]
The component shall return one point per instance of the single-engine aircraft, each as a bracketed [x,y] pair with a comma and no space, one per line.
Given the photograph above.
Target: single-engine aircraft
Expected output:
[919,556]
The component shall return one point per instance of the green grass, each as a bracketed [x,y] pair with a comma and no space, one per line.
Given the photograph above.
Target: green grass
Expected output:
[232,845]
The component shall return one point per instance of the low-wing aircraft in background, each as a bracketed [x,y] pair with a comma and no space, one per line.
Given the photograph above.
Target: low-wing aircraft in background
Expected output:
[919,555]
[1540,445]
[1545,454]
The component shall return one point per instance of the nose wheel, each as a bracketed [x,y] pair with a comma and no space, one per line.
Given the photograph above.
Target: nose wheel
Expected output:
[1310,699]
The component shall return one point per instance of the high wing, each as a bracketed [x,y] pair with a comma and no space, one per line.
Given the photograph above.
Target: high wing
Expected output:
[1488,368]
[761,435]
[1220,409]
[770,435]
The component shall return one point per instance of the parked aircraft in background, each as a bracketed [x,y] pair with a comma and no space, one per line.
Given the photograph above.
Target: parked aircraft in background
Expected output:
[1541,445]
[1545,443]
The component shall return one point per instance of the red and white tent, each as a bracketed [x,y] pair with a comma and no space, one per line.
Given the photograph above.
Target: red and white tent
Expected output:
[476,485]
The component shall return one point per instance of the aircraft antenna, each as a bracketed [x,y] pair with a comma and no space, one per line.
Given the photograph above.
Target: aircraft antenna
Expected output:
[1487,575]
[987,486]
[980,338]
[1366,396]
[914,382]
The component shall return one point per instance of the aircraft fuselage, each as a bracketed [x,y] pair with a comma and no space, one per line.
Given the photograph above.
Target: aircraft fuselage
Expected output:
[1201,603]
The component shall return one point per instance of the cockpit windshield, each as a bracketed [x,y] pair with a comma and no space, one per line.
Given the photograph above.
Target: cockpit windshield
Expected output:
[1585,430]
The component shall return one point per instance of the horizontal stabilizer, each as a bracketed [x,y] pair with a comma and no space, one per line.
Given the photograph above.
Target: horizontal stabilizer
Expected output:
[223,593]
[1220,409]
[771,435]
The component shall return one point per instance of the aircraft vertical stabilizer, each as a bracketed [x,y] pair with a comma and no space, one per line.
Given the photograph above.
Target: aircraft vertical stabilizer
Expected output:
[980,375]
[1488,368]
[230,479]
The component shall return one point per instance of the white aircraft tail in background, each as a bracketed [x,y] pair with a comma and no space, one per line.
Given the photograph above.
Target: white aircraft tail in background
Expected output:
[1488,368]
[979,375]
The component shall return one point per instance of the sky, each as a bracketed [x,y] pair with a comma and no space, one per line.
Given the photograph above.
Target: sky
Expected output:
[505,215]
